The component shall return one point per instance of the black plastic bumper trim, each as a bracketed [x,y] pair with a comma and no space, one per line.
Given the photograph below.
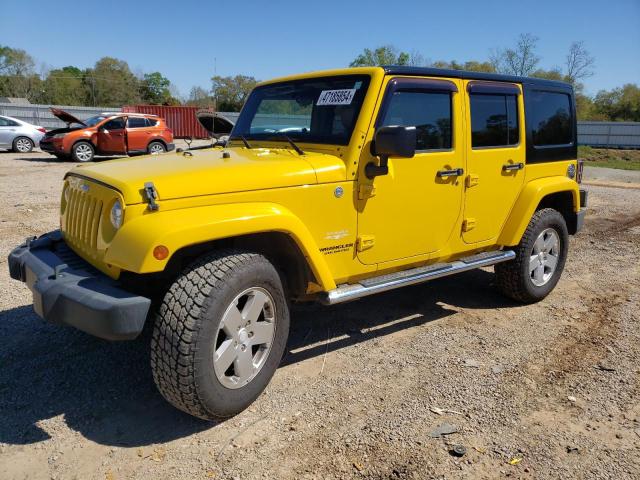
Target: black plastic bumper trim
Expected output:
[80,297]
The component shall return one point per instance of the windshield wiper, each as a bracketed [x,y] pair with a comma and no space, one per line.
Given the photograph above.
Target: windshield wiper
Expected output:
[244,140]
[291,142]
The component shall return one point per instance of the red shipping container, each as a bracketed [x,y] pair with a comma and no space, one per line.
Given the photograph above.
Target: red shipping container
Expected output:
[182,120]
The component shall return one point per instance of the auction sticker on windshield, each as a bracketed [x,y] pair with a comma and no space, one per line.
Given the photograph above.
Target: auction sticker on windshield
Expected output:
[336,97]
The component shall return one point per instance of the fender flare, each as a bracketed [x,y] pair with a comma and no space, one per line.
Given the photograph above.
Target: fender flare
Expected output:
[132,246]
[528,201]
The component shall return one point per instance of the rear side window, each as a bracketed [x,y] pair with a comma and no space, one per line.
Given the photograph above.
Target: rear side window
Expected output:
[429,112]
[5,122]
[551,122]
[151,122]
[494,120]
[136,122]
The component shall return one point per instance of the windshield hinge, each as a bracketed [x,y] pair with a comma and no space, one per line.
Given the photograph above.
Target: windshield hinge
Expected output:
[152,195]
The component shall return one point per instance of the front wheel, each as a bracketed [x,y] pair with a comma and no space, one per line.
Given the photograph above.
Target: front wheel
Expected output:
[220,333]
[540,259]
[82,152]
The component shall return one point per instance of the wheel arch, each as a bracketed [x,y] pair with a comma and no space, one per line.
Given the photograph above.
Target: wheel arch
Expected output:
[160,140]
[560,193]
[265,228]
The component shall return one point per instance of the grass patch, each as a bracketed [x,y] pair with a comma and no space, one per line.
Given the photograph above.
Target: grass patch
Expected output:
[610,158]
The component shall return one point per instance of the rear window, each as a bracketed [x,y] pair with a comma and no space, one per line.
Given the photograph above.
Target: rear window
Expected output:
[494,120]
[151,122]
[551,118]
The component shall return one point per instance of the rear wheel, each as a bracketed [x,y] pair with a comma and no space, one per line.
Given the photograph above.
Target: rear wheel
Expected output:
[22,145]
[82,152]
[220,333]
[540,259]
[156,147]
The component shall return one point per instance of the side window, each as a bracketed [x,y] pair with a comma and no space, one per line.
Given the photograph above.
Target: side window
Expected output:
[494,120]
[429,112]
[150,122]
[114,124]
[551,122]
[5,122]
[136,122]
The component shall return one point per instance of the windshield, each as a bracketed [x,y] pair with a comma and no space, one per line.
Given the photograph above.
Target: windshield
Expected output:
[313,110]
[90,122]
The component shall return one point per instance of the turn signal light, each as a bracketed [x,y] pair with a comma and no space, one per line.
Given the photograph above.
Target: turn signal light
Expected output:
[160,252]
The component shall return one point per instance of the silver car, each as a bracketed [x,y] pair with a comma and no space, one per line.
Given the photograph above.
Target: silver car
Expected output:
[19,136]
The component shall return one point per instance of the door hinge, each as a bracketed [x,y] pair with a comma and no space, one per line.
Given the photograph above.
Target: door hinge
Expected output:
[468,224]
[472,180]
[366,191]
[364,242]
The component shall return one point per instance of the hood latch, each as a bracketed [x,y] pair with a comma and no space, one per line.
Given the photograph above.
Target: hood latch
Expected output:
[152,195]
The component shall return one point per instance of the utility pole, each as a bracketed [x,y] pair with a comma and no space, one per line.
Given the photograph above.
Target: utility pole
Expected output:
[215,91]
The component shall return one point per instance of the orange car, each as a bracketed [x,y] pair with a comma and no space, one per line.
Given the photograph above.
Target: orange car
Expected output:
[107,134]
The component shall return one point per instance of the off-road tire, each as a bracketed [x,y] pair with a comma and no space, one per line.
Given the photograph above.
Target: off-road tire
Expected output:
[24,141]
[156,147]
[186,325]
[513,278]
[83,145]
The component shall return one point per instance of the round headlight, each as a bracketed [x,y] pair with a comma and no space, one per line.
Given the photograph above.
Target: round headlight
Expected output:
[116,215]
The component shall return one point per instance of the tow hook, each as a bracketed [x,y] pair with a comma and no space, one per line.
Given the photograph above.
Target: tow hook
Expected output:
[152,195]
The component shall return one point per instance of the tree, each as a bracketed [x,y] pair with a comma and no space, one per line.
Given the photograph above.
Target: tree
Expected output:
[14,61]
[156,89]
[619,104]
[520,60]
[470,66]
[384,55]
[112,83]
[65,86]
[230,93]
[579,63]
[199,97]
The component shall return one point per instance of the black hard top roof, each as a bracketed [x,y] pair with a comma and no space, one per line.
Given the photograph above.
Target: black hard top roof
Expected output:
[495,77]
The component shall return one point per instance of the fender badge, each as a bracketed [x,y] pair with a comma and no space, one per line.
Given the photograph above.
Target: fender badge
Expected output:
[338,192]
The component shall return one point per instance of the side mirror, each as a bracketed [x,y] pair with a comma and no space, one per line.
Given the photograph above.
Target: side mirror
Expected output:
[391,141]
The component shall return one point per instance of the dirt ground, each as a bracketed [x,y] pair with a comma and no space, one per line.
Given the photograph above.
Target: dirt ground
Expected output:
[542,391]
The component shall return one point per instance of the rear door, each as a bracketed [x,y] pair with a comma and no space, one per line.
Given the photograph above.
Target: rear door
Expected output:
[7,131]
[495,157]
[138,134]
[414,209]
[111,136]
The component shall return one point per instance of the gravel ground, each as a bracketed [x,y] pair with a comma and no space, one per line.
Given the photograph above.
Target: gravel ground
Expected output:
[541,391]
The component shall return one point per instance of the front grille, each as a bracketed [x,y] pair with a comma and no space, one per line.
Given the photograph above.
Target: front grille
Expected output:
[82,220]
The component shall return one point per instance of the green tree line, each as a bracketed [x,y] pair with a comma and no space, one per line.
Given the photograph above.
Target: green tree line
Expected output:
[110,82]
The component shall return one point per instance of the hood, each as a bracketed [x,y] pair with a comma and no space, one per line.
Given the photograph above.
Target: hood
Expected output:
[215,123]
[66,117]
[207,172]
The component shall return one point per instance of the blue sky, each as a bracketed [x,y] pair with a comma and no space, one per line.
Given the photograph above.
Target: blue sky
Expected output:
[181,39]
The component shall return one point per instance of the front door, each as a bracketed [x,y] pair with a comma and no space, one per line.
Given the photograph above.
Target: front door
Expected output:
[111,136]
[413,210]
[7,131]
[495,157]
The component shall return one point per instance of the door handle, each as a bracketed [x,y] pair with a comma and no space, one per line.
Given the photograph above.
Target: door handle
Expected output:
[456,172]
[510,167]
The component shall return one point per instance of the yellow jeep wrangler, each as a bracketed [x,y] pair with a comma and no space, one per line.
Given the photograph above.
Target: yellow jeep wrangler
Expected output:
[332,186]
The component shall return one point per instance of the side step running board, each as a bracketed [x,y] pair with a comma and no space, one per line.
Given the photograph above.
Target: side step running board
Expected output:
[383,283]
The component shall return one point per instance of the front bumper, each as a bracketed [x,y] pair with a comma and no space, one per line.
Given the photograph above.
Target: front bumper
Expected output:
[50,147]
[69,291]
